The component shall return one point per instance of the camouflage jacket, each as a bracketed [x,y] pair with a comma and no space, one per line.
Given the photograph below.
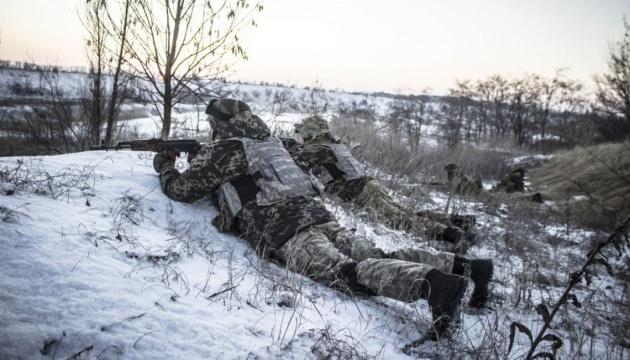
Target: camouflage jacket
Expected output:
[513,182]
[265,227]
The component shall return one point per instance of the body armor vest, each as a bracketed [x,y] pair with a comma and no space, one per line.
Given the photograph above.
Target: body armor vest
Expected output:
[347,167]
[274,173]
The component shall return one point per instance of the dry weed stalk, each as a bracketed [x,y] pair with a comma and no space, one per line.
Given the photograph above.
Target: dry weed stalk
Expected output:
[620,240]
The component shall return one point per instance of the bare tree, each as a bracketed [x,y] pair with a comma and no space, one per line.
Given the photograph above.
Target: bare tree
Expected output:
[176,42]
[613,87]
[118,28]
[107,89]
[498,97]
[408,114]
[557,96]
[95,46]
[523,107]
[452,113]
[317,101]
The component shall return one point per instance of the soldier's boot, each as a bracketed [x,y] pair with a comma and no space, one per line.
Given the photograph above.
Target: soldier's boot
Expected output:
[451,234]
[444,293]
[464,222]
[481,274]
[461,240]
[349,283]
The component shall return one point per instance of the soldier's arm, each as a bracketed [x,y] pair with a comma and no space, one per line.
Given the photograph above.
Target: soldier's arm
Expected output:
[313,155]
[291,145]
[214,165]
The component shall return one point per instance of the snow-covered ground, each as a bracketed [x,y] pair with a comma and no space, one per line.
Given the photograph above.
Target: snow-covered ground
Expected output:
[95,259]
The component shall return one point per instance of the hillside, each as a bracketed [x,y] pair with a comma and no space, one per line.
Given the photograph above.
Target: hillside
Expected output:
[96,261]
[593,183]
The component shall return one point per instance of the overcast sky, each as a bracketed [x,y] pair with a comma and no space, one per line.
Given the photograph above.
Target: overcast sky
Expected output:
[395,45]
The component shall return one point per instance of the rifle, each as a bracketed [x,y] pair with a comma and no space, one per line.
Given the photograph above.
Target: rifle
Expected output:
[156,145]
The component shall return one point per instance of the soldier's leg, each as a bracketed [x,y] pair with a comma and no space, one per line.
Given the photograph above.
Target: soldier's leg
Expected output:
[408,282]
[448,238]
[480,271]
[310,253]
[396,279]
[356,247]
[359,249]
[375,200]
[442,261]
[382,208]
[464,222]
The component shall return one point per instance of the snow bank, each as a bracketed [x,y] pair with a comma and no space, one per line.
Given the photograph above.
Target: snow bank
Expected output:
[96,259]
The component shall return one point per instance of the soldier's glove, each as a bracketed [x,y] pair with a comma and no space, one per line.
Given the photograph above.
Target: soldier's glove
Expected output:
[191,156]
[165,160]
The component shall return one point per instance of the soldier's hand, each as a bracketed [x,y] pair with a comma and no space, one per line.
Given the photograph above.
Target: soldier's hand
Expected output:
[172,155]
[164,159]
[191,156]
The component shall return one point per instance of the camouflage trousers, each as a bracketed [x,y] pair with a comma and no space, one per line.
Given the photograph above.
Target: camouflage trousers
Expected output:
[464,222]
[323,250]
[466,185]
[380,207]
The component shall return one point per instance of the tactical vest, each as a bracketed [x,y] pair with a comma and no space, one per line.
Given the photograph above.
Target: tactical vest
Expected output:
[272,173]
[346,167]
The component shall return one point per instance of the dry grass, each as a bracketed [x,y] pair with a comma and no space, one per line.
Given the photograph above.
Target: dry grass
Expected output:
[599,176]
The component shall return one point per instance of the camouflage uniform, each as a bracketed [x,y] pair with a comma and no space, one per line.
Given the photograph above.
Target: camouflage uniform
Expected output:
[298,231]
[461,183]
[318,155]
[513,182]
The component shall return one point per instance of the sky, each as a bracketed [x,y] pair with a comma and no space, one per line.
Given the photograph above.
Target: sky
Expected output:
[402,46]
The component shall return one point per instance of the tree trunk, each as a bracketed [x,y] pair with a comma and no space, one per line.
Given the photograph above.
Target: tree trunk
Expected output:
[96,104]
[168,107]
[113,101]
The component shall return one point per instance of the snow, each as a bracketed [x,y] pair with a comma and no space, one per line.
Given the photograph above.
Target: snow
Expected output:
[529,158]
[96,257]
[134,274]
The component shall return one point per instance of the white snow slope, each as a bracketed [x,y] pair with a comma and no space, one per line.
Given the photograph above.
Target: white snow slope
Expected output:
[96,259]
[96,262]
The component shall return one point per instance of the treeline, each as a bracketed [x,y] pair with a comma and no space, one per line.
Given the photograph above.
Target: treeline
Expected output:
[29,66]
[531,110]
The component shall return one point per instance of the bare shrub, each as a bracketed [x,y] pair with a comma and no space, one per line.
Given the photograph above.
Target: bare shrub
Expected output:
[127,209]
[35,178]
[10,215]
[337,345]
[58,123]
[620,241]
[423,162]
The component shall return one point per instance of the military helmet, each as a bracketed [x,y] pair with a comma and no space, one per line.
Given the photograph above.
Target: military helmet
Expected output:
[312,126]
[451,171]
[233,118]
[519,171]
[225,109]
